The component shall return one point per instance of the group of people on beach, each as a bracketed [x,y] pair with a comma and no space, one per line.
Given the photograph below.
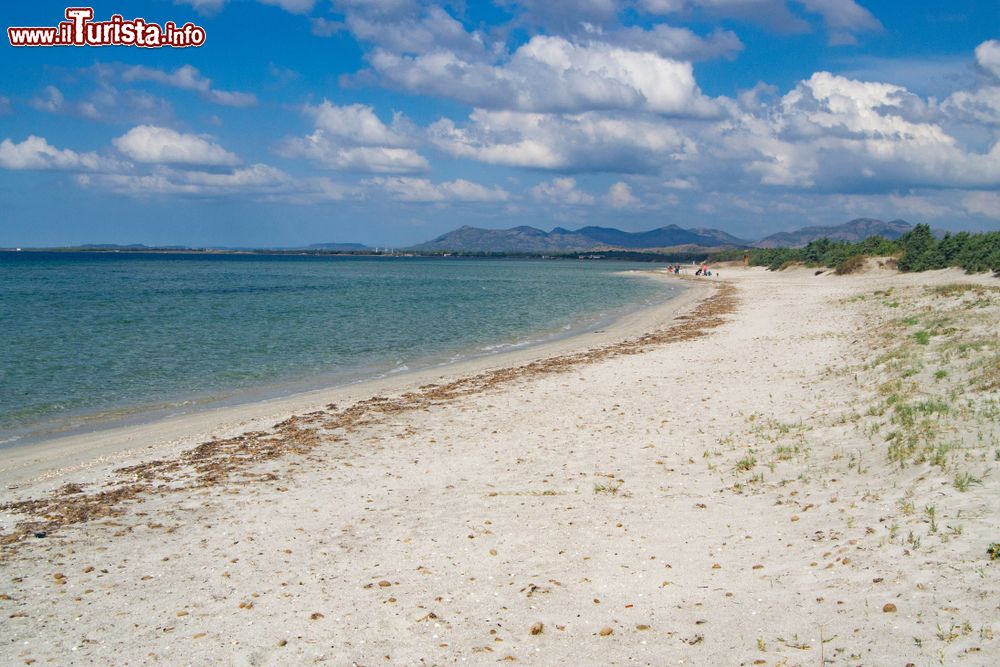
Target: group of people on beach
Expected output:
[702,271]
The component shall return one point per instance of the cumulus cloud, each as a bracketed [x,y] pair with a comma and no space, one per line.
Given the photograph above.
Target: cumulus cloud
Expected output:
[37,153]
[578,142]
[435,30]
[410,189]
[561,191]
[670,42]
[552,74]
[620,196]
[988,57]
[976,106]
[353,138]
[161,145]
[187,77]
[830,132]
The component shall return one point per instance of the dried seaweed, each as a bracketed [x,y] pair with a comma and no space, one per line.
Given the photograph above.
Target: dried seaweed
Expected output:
[215,462]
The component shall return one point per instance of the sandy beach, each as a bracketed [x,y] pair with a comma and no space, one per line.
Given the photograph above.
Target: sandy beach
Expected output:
[778,468]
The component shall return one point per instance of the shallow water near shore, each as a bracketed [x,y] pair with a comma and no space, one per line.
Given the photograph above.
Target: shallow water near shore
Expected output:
[91,338]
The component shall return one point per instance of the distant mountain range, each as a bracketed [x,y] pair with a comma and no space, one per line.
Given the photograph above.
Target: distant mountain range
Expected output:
[532,240]
[855,230]
[337,247]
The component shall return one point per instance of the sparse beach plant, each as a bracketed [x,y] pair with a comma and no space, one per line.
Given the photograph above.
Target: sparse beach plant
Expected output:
[747,462]
[963,480]
[610,489]
[931,513]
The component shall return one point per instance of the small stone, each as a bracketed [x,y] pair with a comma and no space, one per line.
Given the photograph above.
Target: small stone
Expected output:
[795,517]
[537,628]
[716,566]
[282,642]
[384,584]
[889,608]
[604,632]
[315,616]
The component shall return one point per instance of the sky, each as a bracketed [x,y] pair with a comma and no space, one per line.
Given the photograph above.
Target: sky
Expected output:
[391,122]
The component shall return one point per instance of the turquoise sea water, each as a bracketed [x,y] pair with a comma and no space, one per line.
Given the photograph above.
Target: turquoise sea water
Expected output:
[85,337]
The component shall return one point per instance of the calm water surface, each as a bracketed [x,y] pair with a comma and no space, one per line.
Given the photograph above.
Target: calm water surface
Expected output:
[89,336]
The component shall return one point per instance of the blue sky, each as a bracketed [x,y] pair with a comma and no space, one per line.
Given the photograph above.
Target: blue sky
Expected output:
[388,123]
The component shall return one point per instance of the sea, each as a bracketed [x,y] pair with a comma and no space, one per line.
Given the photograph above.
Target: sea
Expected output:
[88,339]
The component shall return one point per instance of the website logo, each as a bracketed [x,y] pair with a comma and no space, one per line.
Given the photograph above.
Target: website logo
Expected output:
[80,29]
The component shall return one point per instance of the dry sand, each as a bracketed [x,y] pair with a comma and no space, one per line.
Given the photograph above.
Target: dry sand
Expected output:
[716,491]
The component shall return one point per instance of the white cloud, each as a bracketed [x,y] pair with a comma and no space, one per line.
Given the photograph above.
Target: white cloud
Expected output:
[293,6]
[51,101]
[187,77]
[620,196]
[976,106]
[375,159]
[322,27]
[204,6]
[561,191]
[259,182]
[36,153]
[988,57]
[579,142]
[551,74]
[986,204]
[843,18]
[835,133]
[436,30]
[359,124]
[669,42]
[409,189]
[353,138]
[680,184]
[162,180]
[161,145]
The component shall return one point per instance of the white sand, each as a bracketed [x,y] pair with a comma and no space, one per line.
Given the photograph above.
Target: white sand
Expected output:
[608,496]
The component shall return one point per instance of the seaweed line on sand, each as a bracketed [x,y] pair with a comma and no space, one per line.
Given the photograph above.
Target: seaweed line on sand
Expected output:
[213,462]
